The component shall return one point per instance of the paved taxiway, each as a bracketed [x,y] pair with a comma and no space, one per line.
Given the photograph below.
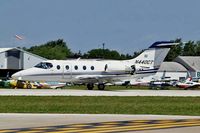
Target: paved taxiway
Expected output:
[66,92]
[97,122]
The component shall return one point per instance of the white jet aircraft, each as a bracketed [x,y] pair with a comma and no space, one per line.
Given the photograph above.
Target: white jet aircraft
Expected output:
[90,72]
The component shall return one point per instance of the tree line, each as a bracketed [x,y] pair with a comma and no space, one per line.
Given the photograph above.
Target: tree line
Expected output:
[59,50]
[190,48]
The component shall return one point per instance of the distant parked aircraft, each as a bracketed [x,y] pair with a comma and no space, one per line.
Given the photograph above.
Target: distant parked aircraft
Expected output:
[188,83]
[99,72]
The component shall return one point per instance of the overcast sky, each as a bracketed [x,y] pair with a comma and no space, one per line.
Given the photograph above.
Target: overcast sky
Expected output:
[123,25]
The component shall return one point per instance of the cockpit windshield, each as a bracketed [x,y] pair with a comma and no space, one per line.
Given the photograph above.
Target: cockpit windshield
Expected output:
[44,65]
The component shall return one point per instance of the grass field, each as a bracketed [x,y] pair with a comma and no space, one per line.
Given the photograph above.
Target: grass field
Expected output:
[118,87]
[84,87]
[112,88]
[101,105]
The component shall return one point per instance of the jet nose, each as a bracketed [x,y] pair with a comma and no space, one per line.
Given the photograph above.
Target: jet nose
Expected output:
[17,76]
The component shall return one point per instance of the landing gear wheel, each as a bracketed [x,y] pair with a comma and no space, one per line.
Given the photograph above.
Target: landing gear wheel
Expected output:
[101,86]
[28,86]
[90,86]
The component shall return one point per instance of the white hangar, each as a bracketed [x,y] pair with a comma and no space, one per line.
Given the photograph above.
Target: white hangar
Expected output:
[191,63]
[15,59]
[171,71]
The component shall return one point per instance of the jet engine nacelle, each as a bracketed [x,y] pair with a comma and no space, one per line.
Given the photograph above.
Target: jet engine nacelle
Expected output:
[115,67]
[120,68]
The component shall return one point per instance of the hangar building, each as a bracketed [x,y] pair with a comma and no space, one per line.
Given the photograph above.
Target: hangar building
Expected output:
[191,63]
[167,71]
[172,71]
[178,69]
[15,59]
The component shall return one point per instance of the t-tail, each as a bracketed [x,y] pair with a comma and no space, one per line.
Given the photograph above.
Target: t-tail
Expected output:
[151,59]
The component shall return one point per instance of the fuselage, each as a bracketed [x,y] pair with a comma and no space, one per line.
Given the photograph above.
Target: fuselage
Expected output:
[98,71]
[188,84]
[76,70]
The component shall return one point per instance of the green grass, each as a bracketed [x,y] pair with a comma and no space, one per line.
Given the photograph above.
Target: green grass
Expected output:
[113,88]
[109,88]
[117,87]
[101,105]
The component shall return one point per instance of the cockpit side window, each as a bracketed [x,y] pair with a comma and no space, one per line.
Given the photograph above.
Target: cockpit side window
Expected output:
[44,65]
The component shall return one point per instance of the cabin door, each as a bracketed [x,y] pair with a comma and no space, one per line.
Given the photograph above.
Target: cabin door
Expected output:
[67,71]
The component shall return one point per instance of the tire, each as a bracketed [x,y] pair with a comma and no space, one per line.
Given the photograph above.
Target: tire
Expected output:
[90,86]
[28,86]
[101,86]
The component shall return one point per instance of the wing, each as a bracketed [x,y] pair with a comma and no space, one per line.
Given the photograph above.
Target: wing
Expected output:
[98,78]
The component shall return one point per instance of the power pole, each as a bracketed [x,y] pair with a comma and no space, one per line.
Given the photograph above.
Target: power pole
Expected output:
[103,50]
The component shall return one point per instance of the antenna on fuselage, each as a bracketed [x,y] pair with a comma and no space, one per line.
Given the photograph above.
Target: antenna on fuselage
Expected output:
[78,59]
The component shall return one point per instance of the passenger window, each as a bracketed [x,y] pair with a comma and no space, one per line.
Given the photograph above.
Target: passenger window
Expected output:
[76,67]
[58,67]
[84,67]
[92,67]
[67,67]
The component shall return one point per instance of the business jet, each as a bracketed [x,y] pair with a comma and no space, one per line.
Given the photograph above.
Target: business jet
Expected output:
[95,71]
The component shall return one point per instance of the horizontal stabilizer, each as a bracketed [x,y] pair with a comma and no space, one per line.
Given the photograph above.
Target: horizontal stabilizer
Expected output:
[163,44]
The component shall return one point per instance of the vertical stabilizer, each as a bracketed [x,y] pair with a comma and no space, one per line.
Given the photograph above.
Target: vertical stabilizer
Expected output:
[154,55]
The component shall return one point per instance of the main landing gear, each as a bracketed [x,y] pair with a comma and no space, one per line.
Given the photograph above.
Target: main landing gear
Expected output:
[90,86]
[100,86]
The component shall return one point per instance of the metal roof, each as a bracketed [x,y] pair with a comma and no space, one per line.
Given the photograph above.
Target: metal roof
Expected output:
[7,49]
[172,67]
[192,63]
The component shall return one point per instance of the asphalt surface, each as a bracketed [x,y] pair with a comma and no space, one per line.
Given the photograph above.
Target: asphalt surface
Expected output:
[65,92]
[98,123]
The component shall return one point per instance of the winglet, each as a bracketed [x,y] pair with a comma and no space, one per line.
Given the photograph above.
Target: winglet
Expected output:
[163,44]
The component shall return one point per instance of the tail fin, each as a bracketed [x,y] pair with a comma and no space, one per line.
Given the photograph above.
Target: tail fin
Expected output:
[154,55]
[188,77]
